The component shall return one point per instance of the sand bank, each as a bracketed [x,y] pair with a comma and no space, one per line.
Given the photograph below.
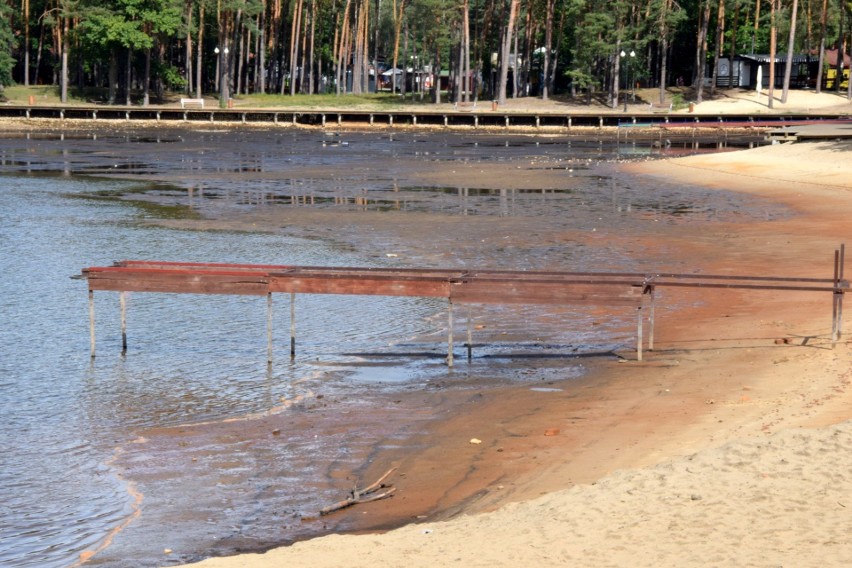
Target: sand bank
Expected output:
[729,446]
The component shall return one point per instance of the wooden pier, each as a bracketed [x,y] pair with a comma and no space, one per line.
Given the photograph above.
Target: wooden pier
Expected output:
[419,116]
[634,290]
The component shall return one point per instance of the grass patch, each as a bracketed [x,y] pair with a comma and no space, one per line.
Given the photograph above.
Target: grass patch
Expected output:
[49,95]
[678,101]
[318,101]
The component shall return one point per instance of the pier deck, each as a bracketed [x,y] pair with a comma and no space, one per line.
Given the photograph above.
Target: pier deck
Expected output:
[418,116]
[456,286]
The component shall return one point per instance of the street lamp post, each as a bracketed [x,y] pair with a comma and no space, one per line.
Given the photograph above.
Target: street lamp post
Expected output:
[624,55]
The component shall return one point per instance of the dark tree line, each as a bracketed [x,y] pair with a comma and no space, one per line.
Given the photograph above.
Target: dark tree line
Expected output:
[138,49]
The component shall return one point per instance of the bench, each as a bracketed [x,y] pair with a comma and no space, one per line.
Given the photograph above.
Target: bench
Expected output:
[465,106]
[660,107]
[197,102]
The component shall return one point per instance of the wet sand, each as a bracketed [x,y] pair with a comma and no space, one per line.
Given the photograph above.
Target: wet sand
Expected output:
[715,403]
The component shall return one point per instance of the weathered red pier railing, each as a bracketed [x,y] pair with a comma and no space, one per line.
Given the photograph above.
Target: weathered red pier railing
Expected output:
[456,286]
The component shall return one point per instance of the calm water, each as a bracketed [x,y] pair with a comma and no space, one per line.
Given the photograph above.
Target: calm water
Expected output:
[195,358]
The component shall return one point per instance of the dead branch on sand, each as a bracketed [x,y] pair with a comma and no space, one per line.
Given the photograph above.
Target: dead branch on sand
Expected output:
[366,495]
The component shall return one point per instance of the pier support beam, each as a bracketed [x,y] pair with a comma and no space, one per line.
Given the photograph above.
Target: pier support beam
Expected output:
[639,333]
[92,323]
[450,334]
[122,300]
[469,335]
[292,326]
[269,327]
[837,296]
[652,309]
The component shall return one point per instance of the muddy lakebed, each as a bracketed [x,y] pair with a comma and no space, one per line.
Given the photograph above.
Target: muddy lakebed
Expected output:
[190,445]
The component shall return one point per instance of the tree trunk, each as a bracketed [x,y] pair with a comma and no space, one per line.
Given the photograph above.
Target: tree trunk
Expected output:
[357,55]
[146,97]
[756,22]
[548,49]
[199,54]
[838,76]
[39,50]
[242,50]
[224,59]
[516,68]
[664,48]
[365,50]
[701,51]
[26,42]
[188,75]
[294,44]
[113,76]
[788,67]
[616,74]
[397,30]
[436,75]
[733,51]
[63,79]
[504,55]
[823,17]
[311,81]
[772,49]
[465,67]
[128,76]
[260,74]
[336,55]
[303,66]
[553,60]
[720,38]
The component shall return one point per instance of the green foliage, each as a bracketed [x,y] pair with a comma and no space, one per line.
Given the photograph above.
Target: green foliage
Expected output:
[678,101]
[104,35]
[7,40]
[386,100]
[581,79]
[171,76]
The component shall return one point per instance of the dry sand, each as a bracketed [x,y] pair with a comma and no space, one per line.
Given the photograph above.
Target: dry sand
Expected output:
[724,101]
[730,446]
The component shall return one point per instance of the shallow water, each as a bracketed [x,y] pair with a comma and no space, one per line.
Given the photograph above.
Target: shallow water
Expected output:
[71,423]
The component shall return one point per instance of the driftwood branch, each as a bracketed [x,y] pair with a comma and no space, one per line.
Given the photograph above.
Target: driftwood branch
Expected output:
[366,495]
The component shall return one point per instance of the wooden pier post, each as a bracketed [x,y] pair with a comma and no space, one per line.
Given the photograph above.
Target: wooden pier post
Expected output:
[450,335]
[837,296]
[834,298]
[292,325]
[269,327]
[651,319]
[122,300]
[92,323]
[840,293]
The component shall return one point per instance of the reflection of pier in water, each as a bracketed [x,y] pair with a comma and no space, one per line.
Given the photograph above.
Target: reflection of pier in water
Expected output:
[456,286]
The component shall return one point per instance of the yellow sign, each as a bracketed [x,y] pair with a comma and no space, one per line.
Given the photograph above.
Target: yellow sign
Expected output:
[831,75]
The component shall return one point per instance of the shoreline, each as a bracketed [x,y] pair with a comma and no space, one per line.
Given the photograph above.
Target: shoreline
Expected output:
[712,384]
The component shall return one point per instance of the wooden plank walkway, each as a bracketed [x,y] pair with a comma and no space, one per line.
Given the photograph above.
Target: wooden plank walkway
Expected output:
[418,116]
[830,130]
[456,286]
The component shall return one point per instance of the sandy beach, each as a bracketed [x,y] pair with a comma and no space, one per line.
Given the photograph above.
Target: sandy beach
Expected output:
[729,446]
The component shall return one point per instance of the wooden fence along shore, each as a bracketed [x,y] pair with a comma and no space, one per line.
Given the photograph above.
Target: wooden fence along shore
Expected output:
[636,290]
